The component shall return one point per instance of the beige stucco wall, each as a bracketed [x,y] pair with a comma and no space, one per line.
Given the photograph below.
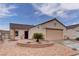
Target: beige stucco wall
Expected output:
[70,34]
[20,32]
[12,34]
[73,33]
[41,28]
[52,25]
[36,30]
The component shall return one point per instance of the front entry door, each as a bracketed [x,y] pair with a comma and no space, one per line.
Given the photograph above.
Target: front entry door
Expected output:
[26,34]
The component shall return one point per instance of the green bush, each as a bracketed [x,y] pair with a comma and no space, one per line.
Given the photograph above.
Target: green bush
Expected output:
[38,36]
[77,38]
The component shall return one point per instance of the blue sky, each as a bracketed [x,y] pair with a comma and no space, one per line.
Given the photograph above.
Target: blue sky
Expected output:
[33,14]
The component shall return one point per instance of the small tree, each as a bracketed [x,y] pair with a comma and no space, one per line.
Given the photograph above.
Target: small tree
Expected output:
[38,36]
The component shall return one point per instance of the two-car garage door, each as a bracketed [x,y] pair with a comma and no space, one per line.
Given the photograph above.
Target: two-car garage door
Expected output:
[54,34]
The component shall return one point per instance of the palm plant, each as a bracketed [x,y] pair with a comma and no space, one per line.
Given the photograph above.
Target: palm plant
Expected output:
[38,36]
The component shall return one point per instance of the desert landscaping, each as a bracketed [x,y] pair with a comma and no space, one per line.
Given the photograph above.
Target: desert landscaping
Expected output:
[10,48]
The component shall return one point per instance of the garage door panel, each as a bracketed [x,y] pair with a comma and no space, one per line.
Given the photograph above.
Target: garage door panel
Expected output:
[54,34]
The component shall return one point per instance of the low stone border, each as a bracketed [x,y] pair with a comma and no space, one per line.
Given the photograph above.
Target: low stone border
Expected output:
[12,40]
[34,45]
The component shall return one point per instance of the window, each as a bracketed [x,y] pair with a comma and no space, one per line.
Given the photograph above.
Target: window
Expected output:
[16,33]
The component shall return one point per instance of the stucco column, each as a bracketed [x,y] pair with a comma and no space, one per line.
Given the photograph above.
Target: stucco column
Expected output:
[12,34]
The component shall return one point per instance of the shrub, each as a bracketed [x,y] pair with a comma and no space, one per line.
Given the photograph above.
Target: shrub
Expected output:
[38,36]
[77,38]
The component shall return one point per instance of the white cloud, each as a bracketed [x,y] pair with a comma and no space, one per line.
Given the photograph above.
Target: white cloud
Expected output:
[70,6]
[47,9]
[5,10]
[56,9]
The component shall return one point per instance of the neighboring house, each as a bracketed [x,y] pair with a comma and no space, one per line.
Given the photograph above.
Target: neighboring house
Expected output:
[52,30]
[73,31]
[4,34]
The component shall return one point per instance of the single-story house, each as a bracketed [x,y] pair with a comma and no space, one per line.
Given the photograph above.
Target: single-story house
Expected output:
[73,31]
[4,34]
[52,30]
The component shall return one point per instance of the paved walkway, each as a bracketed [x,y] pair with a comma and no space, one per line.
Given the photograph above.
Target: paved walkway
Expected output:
[9,48]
